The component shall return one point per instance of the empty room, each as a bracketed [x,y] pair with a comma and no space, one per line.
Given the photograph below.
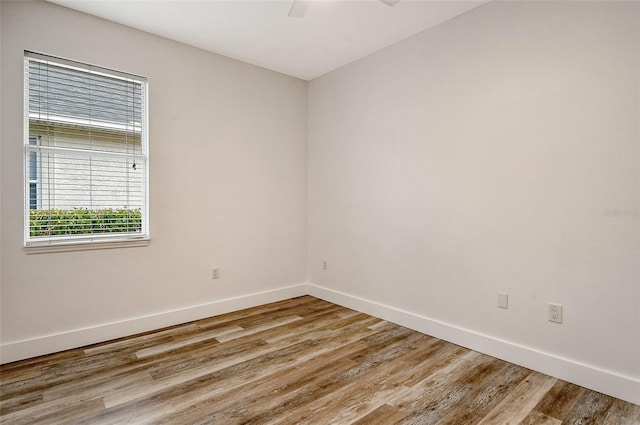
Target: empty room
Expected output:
[320,212]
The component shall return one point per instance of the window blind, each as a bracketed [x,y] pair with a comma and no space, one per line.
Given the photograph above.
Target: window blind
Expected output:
[86,153]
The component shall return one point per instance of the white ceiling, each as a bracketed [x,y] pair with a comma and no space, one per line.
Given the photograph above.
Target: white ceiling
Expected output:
[332,33]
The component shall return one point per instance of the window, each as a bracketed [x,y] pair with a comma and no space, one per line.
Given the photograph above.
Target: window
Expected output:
[85,154]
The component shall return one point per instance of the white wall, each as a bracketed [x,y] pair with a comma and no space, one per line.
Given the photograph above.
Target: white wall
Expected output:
[1,138]
[227,188]
[498,151]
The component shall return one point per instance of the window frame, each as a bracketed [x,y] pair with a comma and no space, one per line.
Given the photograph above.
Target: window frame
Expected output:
[82,241]
[34,175]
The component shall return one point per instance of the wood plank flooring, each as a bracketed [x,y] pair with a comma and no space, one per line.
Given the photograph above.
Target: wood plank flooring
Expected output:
[299,361]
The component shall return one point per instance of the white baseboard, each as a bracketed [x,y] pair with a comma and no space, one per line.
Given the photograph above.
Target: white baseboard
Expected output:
[75,338]
[604,381]
[608,382]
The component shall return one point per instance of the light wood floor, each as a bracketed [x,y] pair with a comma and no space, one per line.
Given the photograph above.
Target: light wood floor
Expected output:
[300,361]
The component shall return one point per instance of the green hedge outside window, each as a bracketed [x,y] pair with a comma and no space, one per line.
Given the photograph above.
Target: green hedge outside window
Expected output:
[79,221]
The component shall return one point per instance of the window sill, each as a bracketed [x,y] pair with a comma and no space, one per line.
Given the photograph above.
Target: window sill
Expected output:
[49,247]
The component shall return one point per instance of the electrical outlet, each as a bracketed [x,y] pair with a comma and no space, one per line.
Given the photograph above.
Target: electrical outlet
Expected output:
[555,313]
[324,264]
[503,300]
[215,273]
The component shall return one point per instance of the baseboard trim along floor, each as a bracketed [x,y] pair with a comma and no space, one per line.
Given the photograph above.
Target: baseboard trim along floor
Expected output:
[301,361]
[75,338]
[608,382]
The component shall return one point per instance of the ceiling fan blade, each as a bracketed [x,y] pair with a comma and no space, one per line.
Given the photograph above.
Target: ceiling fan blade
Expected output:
[390,2]
[298,8]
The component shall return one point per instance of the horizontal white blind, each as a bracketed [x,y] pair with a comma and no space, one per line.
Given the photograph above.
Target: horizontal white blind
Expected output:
[85,152]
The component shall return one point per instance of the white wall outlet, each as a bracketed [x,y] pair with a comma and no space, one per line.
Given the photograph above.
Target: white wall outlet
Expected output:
[555,313]
[503,300]
[324,264]
[215,273]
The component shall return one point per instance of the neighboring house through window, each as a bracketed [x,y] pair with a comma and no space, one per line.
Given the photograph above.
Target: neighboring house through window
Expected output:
[85,153]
